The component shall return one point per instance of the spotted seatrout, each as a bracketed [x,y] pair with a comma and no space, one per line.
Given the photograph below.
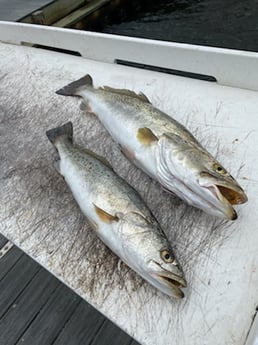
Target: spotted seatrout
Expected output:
[162,147]
[117,213]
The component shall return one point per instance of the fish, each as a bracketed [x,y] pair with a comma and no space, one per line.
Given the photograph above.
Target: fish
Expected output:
[117,213]
[161,147]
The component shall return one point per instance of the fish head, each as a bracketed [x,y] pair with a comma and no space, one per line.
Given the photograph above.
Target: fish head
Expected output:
[199,179]
[148,252]
[221,188]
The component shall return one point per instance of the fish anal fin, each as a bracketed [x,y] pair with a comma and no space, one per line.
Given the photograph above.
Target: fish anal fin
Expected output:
[128,153]
[141,96]
[92,224]
[85,106]
[105,216]
[146,136]
[56,165]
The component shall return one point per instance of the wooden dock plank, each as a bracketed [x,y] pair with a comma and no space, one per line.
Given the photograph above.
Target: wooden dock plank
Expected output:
[81,13]
[9,260]
[13,10]
[26,307]
[3,241]
[82,327]
[53,11]
[15,281]
[37,309]
[110,334]
[51,318]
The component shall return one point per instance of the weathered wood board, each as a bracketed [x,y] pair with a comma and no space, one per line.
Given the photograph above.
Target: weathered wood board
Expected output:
[39,214]
[16,9]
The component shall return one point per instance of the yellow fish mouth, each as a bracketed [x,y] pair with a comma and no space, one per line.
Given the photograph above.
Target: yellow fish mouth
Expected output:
[228,196]
[232,196]
[226,193]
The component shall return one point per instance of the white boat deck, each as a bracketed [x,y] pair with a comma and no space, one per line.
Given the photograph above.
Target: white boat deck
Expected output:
[40,216]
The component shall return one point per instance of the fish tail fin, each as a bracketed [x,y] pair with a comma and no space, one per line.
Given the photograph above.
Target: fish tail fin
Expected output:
[74,88]
[64,132]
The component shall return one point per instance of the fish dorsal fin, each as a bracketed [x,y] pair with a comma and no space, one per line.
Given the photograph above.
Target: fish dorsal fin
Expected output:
[105,216]
[95,155]
[146,136]
[141,96]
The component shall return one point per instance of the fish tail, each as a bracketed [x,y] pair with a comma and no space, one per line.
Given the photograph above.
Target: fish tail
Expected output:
[75,87]
[64,132]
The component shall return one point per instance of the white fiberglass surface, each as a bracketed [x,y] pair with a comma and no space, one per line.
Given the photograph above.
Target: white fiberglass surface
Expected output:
[230,67]
[40,216]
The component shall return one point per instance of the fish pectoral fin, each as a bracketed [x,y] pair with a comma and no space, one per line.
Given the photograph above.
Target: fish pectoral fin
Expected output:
[105,216]
[146,136]
[141,96]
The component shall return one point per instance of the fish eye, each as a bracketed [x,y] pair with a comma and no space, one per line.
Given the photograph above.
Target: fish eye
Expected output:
[219,169]
[166,256]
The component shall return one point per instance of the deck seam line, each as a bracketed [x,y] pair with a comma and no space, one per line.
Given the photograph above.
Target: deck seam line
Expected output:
[68,319]
[98,331]
[39,311]
[13,264]
[13,302]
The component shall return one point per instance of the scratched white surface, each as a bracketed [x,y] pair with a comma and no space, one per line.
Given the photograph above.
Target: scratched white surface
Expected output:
[39,214]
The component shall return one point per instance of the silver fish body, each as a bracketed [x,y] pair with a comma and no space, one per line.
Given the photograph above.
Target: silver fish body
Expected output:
[118,214]
[162,148]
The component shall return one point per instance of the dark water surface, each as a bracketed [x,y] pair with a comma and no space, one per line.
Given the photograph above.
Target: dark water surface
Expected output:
[219,23]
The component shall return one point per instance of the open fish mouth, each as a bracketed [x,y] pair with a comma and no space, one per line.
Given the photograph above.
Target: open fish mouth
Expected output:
[173,282]
[223,194]
[232,196]
[227,197]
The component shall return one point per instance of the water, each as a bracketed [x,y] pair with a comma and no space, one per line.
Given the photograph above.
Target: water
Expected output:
[219,23]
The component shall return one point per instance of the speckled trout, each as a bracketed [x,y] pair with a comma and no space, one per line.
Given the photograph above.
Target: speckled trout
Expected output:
[162,148]
[117,213]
